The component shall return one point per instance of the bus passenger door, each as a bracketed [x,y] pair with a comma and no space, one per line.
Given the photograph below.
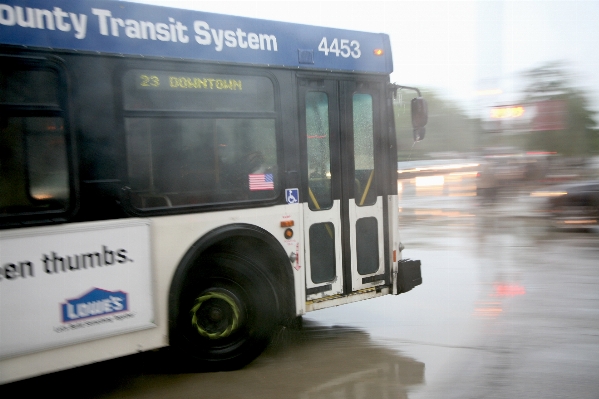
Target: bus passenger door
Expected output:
[319,127]
[343,212]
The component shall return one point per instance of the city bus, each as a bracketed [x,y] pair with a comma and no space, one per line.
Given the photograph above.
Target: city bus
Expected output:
[177,178]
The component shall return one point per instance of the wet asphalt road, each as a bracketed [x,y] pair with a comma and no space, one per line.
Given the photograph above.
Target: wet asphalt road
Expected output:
[509,308]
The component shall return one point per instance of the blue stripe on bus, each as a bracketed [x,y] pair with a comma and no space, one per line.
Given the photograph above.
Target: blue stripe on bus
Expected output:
[138,29]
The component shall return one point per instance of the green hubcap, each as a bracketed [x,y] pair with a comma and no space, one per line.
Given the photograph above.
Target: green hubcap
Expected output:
[215,315]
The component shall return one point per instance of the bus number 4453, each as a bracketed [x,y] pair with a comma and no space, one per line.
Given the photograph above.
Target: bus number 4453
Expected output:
[342,47]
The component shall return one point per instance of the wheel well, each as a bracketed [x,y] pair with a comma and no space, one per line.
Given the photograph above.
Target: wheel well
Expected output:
[249,242]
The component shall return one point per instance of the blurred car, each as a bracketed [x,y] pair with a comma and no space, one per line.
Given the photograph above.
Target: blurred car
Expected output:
[509,165]
[573,205]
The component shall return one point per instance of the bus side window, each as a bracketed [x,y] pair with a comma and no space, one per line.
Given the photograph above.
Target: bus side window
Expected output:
[195,161]
[319,153]
[223,150]
[13,191]
[34,173]
[248,156]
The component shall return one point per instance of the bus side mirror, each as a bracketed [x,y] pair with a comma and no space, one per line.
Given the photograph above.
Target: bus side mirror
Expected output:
[419,117]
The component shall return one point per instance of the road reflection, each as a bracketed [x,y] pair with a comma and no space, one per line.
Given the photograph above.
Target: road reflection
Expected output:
[311,362]
[508,299]
[493,305]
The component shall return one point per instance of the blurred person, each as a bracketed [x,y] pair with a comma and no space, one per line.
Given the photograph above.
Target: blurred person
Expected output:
[487,185]
[256,162]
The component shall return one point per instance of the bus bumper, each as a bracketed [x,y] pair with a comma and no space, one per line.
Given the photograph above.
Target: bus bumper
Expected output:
[408,275]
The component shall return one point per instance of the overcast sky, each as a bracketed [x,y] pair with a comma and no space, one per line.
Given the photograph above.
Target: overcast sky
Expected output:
[452,46]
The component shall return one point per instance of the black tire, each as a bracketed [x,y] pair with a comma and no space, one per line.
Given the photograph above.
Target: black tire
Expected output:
[228,312]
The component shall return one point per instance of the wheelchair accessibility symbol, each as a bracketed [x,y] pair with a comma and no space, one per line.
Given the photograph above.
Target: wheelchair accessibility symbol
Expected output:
[292,195]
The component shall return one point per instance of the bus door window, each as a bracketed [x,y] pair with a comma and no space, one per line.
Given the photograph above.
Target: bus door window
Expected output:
[322,252]
[365,186]
[319,153]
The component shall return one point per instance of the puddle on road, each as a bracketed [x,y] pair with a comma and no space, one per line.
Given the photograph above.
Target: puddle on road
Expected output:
[314,362]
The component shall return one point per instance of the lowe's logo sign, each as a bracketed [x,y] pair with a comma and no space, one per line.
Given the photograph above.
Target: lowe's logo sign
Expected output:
[96,302]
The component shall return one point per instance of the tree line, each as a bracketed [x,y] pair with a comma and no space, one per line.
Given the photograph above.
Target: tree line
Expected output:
[450,129]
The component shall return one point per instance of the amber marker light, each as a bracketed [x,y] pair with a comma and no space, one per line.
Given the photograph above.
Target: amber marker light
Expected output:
[41,197]
[288,233]
[287,223]
[378,52]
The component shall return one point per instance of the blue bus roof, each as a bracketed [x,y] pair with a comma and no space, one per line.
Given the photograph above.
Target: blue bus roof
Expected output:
[139,29]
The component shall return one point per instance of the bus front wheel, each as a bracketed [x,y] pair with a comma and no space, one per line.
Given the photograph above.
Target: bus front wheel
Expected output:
[228,312]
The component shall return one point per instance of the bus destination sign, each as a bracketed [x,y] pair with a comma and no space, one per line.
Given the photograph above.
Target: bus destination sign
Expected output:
[192,82]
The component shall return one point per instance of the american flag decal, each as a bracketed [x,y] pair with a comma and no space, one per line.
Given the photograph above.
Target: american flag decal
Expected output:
[262,181]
